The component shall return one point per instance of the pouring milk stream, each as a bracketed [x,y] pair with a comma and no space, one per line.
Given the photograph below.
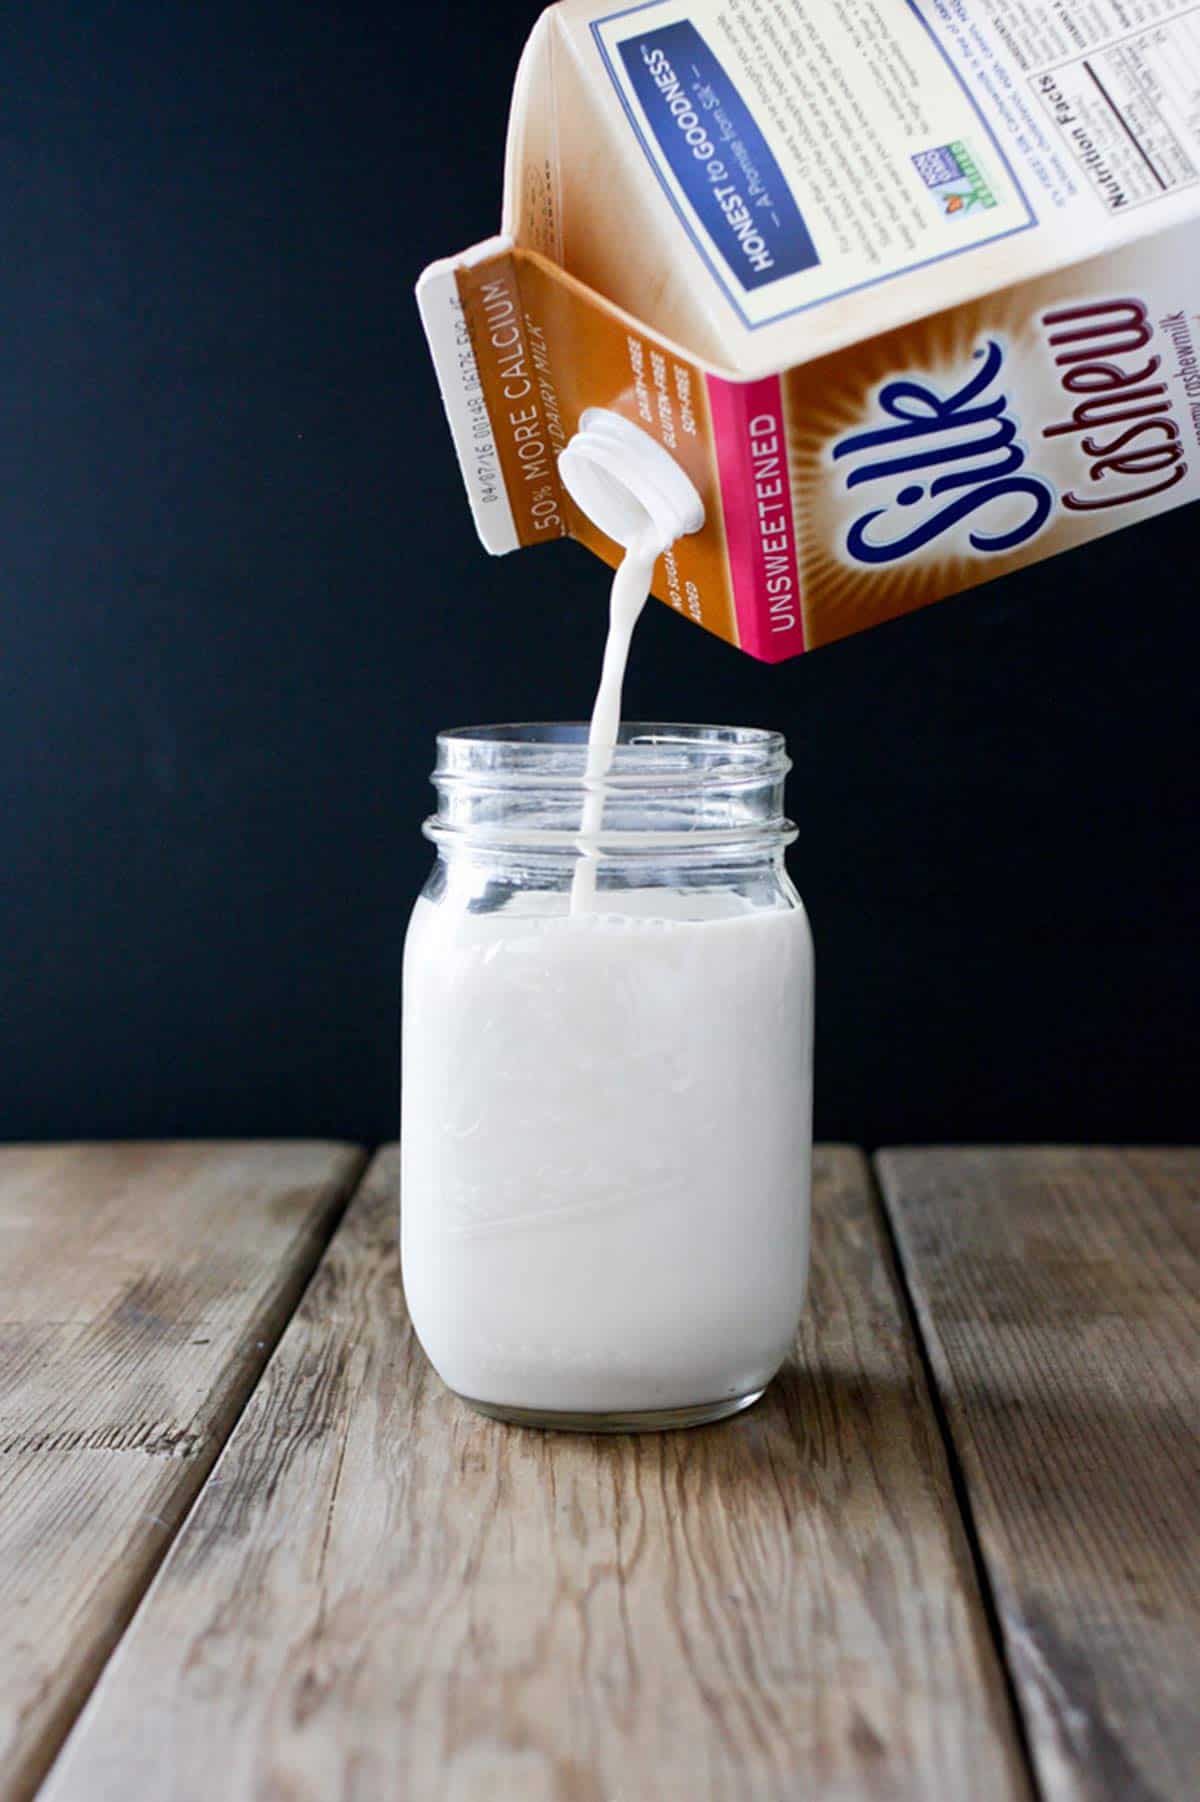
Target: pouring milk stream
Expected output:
[638,496]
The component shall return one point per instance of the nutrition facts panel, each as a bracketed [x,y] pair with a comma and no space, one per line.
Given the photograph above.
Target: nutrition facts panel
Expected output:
[1129,111]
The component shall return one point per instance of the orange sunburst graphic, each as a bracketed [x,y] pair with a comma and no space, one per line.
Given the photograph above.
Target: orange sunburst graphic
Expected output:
[836,395]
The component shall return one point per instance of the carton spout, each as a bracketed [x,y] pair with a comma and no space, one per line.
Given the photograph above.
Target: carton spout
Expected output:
[626,483]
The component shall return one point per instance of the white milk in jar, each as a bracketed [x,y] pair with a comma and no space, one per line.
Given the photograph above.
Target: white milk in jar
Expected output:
[607,1106]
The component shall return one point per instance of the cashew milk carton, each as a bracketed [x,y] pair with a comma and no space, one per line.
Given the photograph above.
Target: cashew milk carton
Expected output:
[910,289]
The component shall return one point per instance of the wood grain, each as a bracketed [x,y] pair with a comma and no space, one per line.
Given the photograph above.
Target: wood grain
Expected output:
[380,1594]
[142,1288]
[1059,1295]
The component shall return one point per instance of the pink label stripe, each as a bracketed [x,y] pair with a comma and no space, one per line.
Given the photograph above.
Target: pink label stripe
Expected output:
[756,496]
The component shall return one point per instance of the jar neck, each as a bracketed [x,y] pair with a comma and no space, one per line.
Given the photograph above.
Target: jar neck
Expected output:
[690,795]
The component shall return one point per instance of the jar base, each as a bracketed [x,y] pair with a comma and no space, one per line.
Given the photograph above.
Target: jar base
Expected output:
[639,1420]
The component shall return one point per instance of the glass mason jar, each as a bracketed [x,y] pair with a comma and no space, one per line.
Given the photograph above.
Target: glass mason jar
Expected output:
[606,1134]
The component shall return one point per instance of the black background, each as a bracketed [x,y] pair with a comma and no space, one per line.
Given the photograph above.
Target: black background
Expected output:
[241,591]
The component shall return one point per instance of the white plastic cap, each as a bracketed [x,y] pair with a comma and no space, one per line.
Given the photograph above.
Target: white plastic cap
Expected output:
[626,483]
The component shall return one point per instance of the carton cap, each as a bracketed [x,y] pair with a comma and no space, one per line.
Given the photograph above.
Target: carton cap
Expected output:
[625,482]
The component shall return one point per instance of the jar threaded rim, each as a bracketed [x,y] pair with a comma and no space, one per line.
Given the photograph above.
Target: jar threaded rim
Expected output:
[699,788]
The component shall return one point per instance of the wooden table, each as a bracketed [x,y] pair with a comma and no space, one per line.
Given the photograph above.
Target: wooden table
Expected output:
[250,1548]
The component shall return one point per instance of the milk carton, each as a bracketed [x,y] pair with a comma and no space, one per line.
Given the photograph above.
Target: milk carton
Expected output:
[909,288]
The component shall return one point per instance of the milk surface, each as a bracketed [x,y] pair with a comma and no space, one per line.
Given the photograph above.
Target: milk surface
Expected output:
[606,1147]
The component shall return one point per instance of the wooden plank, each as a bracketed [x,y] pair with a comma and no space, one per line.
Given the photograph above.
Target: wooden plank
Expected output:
[380,1594]
[1059,1295]
[142,1288]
